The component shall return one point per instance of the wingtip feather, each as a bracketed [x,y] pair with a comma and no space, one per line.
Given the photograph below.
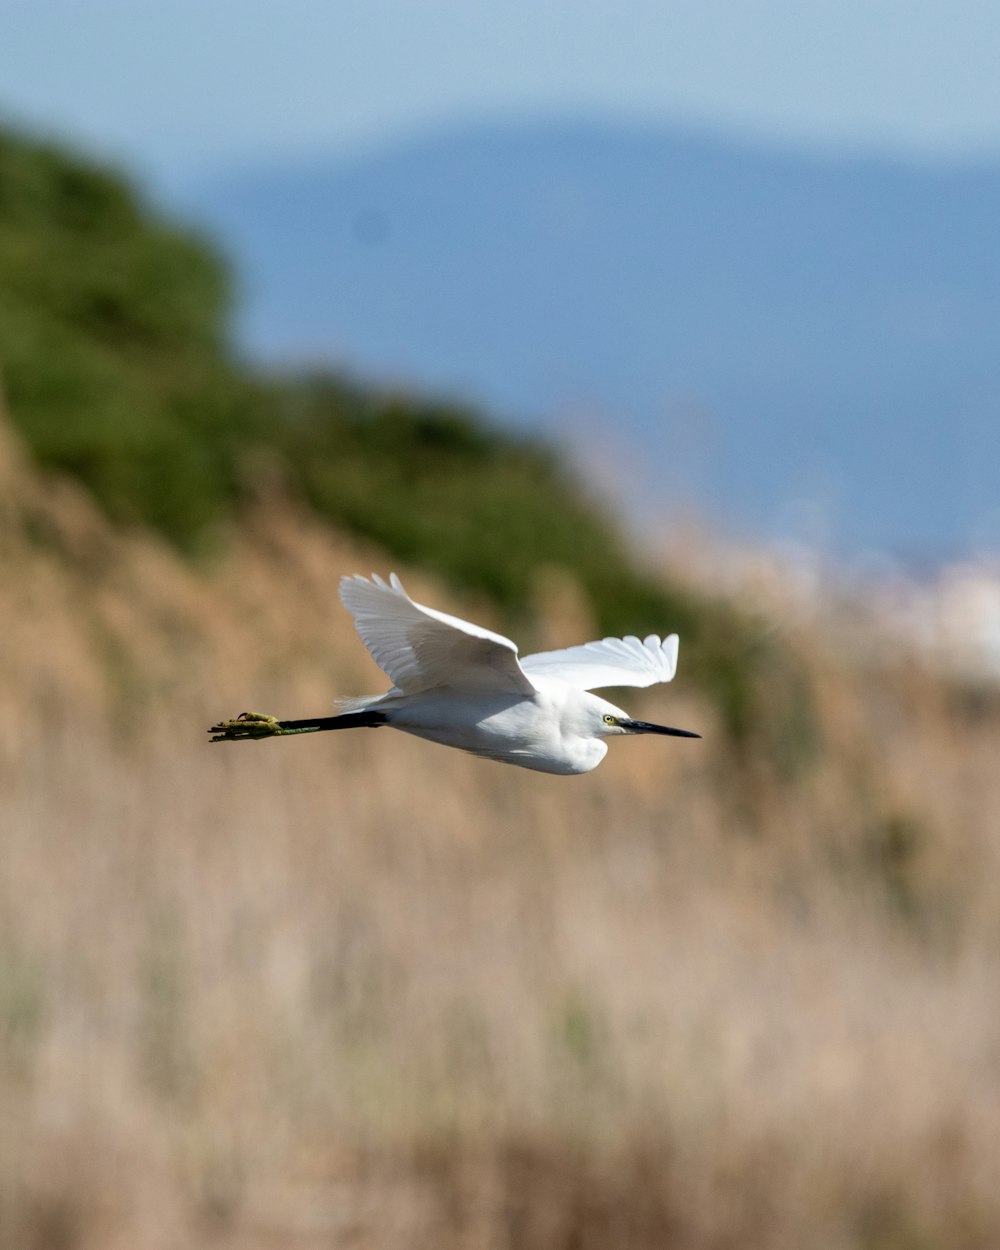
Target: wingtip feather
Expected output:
[352,582]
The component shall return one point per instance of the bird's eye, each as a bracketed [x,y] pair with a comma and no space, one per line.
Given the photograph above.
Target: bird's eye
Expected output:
[609,719]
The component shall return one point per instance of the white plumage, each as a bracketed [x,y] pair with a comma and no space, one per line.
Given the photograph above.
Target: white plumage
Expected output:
[463,686]
[419,648]
[625,661]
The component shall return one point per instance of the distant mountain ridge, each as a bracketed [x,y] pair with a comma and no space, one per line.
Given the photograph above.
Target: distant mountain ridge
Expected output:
[746,328]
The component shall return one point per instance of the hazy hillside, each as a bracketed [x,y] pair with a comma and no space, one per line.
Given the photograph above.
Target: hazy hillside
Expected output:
[737,325]
[116,363]
[115,358]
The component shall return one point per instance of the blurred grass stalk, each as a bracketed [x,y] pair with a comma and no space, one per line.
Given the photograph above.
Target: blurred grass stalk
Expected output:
[369,993]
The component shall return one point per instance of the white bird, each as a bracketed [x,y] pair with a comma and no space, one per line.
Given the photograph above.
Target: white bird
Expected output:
[463,686]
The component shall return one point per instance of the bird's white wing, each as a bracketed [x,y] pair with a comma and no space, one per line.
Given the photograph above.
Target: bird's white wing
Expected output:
[611,662]
[421,649]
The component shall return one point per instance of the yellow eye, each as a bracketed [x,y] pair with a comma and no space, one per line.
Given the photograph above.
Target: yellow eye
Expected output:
[609,719]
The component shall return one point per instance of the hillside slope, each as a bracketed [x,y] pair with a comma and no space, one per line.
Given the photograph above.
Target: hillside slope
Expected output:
[116,365]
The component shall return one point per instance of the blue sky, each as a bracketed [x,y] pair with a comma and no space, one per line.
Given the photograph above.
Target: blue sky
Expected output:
[175,87]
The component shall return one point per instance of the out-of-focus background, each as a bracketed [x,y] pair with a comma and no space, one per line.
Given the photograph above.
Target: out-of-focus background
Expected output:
[586,319]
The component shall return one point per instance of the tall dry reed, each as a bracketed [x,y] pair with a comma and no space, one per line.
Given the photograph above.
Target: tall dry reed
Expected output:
[359,991]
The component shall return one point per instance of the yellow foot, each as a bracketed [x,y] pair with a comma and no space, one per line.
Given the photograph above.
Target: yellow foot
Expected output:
[247,725]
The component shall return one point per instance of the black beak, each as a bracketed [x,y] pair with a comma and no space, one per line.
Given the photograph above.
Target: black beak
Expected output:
[644,727]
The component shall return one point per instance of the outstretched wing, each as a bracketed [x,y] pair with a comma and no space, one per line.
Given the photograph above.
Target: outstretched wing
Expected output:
[610,662]
[421,649]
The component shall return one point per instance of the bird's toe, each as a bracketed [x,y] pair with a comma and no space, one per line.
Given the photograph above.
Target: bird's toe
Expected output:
[246,725]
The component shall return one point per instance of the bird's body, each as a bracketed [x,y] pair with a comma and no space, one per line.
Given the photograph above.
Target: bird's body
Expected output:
[544,730]
[463,686]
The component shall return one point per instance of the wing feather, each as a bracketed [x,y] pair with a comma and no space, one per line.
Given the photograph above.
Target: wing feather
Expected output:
[611,662]
[422,649]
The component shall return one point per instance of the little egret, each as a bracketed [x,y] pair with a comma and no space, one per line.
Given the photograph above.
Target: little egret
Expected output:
[463,686]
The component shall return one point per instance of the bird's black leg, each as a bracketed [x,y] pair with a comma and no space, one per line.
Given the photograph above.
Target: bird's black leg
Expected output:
[258,725]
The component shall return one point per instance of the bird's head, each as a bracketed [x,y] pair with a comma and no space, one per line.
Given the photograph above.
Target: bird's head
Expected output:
[610,721]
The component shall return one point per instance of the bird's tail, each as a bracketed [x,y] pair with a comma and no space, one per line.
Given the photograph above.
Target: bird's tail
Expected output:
[358,702]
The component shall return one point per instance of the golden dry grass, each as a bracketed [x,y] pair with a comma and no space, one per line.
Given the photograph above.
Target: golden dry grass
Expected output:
[357,991]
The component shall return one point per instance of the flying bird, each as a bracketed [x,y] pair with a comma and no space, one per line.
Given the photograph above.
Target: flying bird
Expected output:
[463,686]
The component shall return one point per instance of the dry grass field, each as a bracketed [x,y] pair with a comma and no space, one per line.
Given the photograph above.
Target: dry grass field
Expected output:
[357,991]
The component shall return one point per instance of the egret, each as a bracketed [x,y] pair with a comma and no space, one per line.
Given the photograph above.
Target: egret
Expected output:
[463,686]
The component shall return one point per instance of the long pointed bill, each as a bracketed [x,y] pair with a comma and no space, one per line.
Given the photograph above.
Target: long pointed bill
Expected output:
[644,727]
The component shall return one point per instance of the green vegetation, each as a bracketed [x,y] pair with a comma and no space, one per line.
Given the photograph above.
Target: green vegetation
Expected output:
[111,341]
[117,369]
[437,486]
